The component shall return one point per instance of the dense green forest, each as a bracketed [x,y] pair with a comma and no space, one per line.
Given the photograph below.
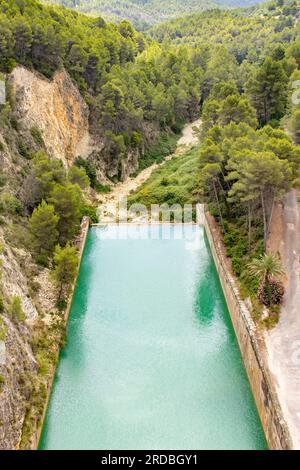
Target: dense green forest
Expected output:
[127,81]
[232,66]
[247,158]
[130,84]
[235,68]
[238,70]
[243,32]
[144,13]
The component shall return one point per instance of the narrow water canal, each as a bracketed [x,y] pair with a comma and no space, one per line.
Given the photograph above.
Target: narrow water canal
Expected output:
[151,361]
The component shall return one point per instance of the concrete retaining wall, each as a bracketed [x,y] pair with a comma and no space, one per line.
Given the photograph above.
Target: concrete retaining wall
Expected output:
[274,425]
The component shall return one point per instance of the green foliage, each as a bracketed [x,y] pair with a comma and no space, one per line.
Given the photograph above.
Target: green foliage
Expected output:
[272,319]
[43,230]
[102,188]
[43,364]
[91,173]
[57,202]
[61,304]
[37,137]
[172,183]
[78,176]
[65,267]
[237,247]
[245,33]
[3,180]
[226,105]
[14,122]
[10,204]
[47,173]
[128,83]
[45,343]
[255,49]
[140,13]
[267,89]
[267,269]
[135,139]
[91,212]
[3,330]
[67,201]
[16,310]
[271,293]
[156,153]
[24,150]
[243,171]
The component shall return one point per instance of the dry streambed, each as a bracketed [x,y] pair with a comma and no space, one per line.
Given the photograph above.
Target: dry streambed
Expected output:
[110,201]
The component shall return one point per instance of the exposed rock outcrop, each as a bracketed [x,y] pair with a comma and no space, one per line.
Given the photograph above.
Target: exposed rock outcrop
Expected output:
[17,362]
[16,370]
[56,108]
[19,278]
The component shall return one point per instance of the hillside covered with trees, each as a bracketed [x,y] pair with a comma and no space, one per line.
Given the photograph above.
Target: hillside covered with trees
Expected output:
[242,31]
[235,68]
[144,13]
[129,83]
[248,157]
[238,70]
[138,95]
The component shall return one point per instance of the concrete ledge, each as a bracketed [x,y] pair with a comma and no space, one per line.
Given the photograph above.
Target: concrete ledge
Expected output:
[251,345]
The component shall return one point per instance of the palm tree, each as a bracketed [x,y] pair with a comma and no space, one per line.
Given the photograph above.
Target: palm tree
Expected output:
[266,267]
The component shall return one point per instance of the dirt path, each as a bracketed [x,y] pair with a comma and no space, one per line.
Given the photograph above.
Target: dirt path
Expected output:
[123,189]
[188,135]
[283,342]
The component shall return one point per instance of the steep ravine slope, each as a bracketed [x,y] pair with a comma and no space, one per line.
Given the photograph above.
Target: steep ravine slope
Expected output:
[29,344]
[17,361]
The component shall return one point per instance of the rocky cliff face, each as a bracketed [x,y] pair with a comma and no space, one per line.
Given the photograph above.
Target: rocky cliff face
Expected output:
[58,111]
[56,108]
[18,366]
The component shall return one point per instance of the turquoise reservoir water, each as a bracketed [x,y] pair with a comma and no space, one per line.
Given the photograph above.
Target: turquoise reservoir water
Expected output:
[151,360]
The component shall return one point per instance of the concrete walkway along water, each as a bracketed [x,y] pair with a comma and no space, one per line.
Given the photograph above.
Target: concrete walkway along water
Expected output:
[283,342]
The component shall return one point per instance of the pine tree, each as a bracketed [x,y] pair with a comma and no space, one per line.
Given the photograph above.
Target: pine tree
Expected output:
[67,201]
[66,263]
[260,177]
[78,176]
[43,229]
[267,90]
